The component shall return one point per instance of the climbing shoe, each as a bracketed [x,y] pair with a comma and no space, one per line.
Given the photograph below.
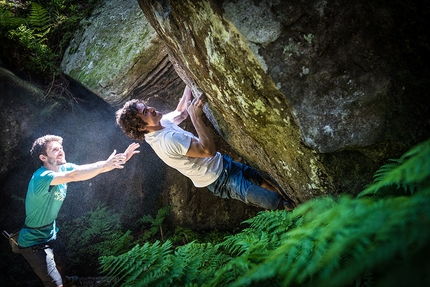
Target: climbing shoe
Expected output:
[288,205]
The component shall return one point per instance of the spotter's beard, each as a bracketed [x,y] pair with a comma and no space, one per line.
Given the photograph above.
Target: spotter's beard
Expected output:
[57,162]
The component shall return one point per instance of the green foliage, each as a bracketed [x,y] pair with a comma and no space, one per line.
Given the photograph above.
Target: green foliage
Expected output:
[38,17]
[336,247]
[158,265]
[94,234]
[34,34]
[343,241]
[155,223]
[116,243]
[182,236]
[37,56]
[410,172]
[8,20]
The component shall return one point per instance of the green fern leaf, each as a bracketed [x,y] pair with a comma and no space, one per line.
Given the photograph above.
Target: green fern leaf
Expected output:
[38,17]
[413,169]
[9,20]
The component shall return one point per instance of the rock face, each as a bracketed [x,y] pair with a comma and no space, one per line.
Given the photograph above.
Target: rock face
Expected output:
[302,90]
[118,55]
[336,89]
[314,94]
[87,124]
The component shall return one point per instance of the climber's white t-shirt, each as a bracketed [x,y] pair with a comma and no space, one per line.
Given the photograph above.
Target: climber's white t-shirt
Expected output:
[172,143]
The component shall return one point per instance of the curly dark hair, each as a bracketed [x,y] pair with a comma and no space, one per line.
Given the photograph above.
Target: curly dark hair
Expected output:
[130,124]
[39,146]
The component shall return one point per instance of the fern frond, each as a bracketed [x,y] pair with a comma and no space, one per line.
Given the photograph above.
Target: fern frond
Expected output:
[136,265]
[157,265]
[198,261]
[324,242]
[400,236]
[383,170]
[117,243]
[268,221]
[38,17]
[355,235]
[147,219]
[113,266]
[409,172]
[9,20]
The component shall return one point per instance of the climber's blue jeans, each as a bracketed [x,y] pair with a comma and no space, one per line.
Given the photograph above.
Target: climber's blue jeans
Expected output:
[243,182]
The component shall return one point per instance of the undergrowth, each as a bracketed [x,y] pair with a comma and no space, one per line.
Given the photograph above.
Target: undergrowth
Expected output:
[96,233]
[376,239]
[35,34]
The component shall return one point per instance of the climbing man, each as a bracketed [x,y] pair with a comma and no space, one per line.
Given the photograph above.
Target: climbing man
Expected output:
[197,157]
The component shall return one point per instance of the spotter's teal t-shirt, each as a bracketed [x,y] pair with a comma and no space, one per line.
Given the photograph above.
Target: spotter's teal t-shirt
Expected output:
[42,204]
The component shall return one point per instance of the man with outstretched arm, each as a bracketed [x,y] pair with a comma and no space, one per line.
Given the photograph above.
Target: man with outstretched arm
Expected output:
[46,192]
[196,157]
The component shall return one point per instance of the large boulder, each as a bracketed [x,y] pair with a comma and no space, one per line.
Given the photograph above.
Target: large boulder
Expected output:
[117,55]
[309,92]
[316,95]
[87,124]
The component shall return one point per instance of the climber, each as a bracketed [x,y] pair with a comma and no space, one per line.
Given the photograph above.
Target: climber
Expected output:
[37,240]
[196,157]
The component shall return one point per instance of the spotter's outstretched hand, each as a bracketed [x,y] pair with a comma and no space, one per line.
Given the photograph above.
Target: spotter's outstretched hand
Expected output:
[131,150]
